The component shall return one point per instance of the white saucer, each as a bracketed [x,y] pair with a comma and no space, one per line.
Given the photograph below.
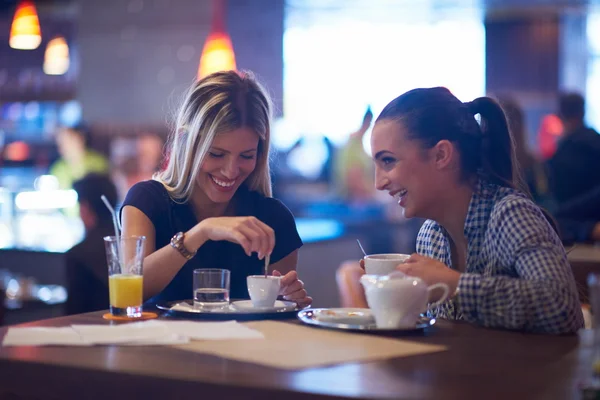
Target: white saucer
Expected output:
[246,305]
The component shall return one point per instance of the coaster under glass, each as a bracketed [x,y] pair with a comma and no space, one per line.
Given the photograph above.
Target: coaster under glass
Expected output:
[129,312]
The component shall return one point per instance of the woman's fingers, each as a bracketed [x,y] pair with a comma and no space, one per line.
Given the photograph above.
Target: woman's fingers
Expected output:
[243,241]
[253,236]
[268,236]
[289,278]
[296,296]
[293,287]
[306,301]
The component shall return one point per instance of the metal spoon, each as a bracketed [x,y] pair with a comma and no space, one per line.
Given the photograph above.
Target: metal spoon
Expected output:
[361,248]
[267,260]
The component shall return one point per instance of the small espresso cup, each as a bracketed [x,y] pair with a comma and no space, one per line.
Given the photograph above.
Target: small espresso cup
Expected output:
[263,290]
[383,264]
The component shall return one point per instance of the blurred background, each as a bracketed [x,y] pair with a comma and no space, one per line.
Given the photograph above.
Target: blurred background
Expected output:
[103,78]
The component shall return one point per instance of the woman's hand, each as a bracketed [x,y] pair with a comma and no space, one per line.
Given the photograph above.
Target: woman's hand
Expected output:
[292,289]
[362,263]
[249,232]
[430,271]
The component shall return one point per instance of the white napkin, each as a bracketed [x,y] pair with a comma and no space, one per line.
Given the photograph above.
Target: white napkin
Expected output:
[66,336]
[133,334]
[145,332]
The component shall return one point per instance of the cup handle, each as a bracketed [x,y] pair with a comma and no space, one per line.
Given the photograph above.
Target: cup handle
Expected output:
[446,290]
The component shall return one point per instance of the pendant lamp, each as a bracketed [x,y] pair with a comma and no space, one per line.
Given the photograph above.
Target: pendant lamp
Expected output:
[25,29]
[217,54]
[56,57]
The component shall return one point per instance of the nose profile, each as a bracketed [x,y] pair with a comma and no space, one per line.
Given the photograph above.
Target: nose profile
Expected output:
[381,181]
[231,169]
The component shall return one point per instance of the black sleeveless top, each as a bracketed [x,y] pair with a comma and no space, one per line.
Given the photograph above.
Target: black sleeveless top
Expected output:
[169,217]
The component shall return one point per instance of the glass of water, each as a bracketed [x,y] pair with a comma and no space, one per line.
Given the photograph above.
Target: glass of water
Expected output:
[211,289]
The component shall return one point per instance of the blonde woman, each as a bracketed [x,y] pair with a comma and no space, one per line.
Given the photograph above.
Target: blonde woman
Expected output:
[211,207]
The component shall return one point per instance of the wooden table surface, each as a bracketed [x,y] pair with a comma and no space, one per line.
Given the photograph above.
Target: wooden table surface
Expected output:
[480,363]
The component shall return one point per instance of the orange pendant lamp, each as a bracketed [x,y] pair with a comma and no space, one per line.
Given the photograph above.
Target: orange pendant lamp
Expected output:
[56,57]
[217,54]
[25,29]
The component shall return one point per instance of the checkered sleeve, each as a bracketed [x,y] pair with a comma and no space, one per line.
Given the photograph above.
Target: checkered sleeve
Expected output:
[537,293]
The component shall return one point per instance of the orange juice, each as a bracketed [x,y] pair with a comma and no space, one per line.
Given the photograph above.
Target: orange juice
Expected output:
[125,290]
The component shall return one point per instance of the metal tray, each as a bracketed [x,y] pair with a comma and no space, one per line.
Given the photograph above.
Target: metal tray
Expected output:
[355,320]
[283,310]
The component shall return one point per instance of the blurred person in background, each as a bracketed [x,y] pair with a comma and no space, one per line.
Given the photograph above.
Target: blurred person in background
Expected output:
[150,155]
[579,218]
[87,271]
[549,134]
[575,167]
[141,165]
[354,168]
[532,170]
[76,159]
[211,207]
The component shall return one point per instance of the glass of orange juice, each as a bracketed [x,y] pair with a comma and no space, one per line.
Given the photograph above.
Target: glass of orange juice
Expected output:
[125,257]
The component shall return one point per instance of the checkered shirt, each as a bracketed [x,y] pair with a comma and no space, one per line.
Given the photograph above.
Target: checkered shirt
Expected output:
[517,275]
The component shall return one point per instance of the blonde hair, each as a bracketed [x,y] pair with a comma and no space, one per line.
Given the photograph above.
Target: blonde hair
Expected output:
[218,103]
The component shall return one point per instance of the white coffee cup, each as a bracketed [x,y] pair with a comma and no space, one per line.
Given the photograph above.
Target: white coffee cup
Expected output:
[396,300]
[383,264]
[263,290]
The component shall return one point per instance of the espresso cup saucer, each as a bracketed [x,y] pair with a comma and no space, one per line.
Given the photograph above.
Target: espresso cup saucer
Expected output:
[247,306]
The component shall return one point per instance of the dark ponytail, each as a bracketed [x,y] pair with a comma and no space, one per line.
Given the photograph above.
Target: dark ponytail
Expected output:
[497,147]
[434,114]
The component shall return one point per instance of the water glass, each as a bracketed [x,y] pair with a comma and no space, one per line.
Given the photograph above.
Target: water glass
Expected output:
[211,289]
[125,258]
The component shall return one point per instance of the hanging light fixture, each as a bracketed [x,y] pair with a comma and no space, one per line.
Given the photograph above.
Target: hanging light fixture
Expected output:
[217,54]
[56,57]
[25,29]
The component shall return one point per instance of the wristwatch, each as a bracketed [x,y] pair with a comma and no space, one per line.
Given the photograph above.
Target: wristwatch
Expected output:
[177,244]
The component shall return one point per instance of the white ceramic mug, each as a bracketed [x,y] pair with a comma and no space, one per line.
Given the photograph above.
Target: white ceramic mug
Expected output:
[396,300]
[383,264]
[263,290]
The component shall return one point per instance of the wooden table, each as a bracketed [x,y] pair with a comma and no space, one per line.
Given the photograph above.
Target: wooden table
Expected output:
[584,259]
[480,363]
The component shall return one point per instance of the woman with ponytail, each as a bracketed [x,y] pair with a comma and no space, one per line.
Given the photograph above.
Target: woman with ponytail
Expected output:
[484,236]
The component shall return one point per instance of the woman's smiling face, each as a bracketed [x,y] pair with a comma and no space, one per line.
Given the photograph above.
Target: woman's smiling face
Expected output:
[230,160]
[404,169]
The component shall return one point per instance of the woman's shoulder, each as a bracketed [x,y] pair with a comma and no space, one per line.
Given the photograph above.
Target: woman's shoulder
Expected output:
[507,199]
[148,187]
[152,199]
[516,212]
[146,193]
[273,204]
[258,204]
